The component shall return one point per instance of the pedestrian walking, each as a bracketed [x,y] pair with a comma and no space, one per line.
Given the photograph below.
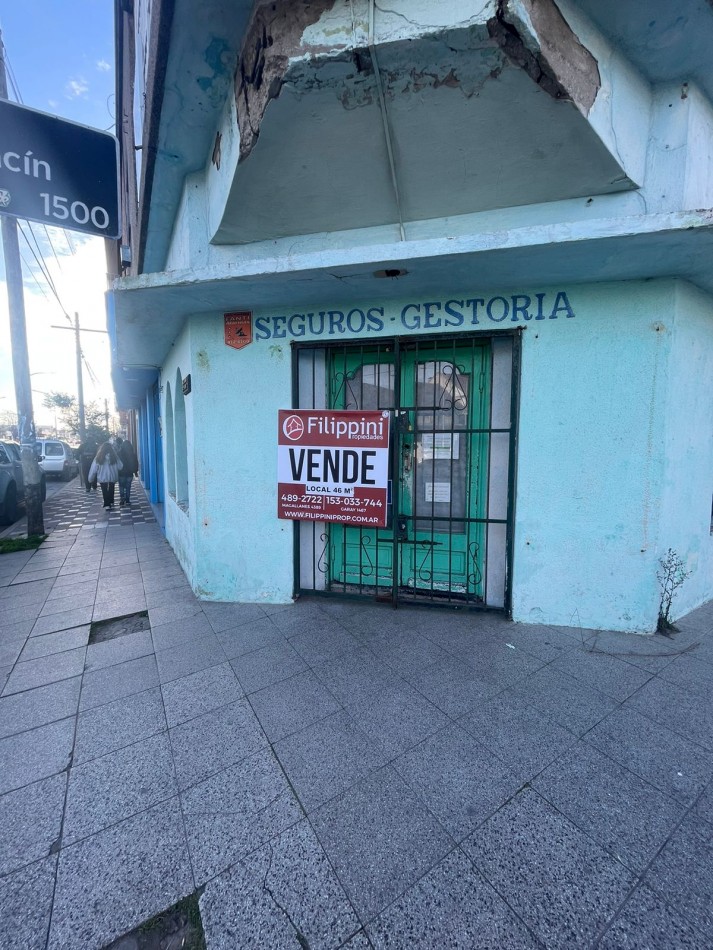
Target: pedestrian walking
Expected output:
[129,467]
[106,467]
[87,452]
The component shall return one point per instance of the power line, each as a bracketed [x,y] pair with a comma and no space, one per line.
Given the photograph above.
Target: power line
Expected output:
[40,264]
[11,73]
[49,240]
[45,272]
[92,374]
[28,268]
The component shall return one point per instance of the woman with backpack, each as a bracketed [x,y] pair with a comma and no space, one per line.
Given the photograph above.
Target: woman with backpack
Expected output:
[105,468]
[129,467]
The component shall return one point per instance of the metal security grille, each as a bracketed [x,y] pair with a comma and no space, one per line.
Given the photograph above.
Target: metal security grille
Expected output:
[448,538]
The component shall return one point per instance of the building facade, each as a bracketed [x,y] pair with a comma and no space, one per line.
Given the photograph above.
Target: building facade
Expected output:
[490,222]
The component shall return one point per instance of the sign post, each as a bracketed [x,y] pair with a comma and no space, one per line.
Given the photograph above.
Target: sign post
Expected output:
[31,474]
[333,466]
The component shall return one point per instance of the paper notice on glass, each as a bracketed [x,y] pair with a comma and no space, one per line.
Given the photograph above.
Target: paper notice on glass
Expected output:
[438,491]
[440,445]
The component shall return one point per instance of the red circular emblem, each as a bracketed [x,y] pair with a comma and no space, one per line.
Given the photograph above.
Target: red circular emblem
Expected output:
[293,427]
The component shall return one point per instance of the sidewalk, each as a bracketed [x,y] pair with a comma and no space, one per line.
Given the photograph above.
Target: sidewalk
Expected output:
[337,775]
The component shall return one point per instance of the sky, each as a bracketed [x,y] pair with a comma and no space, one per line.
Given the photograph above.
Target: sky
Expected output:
[60,55]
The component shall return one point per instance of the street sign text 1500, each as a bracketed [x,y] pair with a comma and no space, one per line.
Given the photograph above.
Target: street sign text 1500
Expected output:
[58,207]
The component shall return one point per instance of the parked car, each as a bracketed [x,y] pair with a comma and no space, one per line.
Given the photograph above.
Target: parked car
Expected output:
[57,458]
[12,486]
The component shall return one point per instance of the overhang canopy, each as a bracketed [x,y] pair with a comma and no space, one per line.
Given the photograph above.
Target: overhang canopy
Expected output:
[151,309]
[666,42]
[466,131]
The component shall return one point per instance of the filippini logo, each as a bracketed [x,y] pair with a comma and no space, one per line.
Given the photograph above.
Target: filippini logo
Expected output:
[293,428]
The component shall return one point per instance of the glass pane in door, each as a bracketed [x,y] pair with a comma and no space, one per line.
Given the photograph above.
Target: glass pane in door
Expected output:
[444,468]
[362,557]
[441,450]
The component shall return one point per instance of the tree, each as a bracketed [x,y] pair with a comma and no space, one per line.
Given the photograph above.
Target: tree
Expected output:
[8,424]
[94,426]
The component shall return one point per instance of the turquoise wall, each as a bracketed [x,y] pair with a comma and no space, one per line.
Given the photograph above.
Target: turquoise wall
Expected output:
[603,425]
[688,471]
[179,521]
[243,551]
[615,460]
[591,459]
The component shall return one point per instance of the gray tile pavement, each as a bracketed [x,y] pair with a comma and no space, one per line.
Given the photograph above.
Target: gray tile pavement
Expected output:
[646,922]
[113,682]
[190,696]
[518,734]
[118,724]
[451,906]
[211,742]
[27,757]
[21,712]
[339,774]
[381,838]
[110,882]
[232,813]
[119,650]
[118,785]
[460,781]
[28,674]
[267,665]
[59,642]
[327,758]
[189,630]
[625,814]
[30,822]
[26,898]
[562,885]
[285,894]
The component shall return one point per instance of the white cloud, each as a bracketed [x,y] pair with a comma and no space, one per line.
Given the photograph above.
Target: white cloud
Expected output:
[103,66]
[77,88]
[53,104]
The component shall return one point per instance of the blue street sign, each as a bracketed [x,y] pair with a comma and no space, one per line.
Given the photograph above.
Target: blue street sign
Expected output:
[58,172]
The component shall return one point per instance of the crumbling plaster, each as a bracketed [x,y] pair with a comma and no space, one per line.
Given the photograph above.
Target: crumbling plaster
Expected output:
[535,36]
[332,42]
[621,115]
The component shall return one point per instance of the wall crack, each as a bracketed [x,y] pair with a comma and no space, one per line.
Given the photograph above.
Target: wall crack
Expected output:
[560,65]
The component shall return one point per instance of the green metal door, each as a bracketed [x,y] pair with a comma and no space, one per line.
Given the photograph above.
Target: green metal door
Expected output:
[434,546]
[364,378]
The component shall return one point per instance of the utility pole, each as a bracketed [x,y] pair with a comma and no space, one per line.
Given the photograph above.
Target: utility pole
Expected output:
[80,379]
[80,382]
[20,360]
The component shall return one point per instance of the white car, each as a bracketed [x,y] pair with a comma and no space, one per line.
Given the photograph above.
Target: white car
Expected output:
[57,458]
[12,491]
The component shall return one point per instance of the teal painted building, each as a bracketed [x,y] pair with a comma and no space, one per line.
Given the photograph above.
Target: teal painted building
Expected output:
[492,221]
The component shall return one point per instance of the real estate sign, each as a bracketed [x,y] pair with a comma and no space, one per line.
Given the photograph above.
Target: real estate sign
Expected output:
[333,466]
[58,172]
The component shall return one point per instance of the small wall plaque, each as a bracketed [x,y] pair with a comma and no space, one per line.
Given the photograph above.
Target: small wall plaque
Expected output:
[238,328]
